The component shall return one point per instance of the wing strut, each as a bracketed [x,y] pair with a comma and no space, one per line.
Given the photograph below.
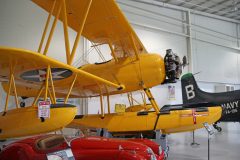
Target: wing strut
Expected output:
[62,6]
[65,29]
[70,89]
[144,99]
[130,98]
[46,27]
[134,47]
[45,86]
[71,55]
[151,99]
[52,30]
[51,96]
[82,23]
[108,99]
[112,51]
[53,90]
[38,95]
[11,85]
[46,83]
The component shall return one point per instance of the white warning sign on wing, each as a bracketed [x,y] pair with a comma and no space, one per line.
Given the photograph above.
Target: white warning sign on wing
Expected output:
[44,109]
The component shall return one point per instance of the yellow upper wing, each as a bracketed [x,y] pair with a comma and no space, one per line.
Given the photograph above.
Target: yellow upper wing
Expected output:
[105,24]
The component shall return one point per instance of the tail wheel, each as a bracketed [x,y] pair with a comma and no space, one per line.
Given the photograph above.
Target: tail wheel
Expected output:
[219,129]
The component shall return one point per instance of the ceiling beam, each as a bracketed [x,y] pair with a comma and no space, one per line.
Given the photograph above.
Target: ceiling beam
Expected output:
[234,16]
[184,2]
[221,10]
[214,5]
[230,6]
[166,1]
[199,4]
[163,1]
[158,3]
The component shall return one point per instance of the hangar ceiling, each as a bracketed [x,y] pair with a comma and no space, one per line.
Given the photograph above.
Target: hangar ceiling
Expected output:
[225,8]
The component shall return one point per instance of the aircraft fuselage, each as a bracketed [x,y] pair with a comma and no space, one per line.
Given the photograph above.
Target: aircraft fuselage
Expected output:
[230,101]
[132,73]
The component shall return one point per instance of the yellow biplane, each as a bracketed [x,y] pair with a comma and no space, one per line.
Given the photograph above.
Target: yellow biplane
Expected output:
[34,74]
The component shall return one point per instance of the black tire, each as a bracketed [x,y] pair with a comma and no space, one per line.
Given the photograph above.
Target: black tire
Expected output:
[22,104]
[219,129]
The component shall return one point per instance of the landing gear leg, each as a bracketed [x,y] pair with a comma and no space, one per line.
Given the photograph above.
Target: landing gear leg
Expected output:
[103,133]
[100,132]
[219,129]
[162,140]
[106,133]
[151,99]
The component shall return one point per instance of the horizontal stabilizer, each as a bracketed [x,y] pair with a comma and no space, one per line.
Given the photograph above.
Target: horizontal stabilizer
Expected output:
[167,108]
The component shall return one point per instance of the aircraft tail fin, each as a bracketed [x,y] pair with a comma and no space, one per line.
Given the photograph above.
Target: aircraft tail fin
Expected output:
[190,90]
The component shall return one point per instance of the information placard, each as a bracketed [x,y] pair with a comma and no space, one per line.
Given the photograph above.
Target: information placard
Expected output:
[208,128]
[44,109]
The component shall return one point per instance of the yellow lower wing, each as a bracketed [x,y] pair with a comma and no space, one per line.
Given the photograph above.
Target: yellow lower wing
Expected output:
[24,121]
[29,69]
[175,121]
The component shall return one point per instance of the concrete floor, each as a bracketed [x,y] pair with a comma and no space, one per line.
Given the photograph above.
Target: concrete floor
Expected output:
[223,146]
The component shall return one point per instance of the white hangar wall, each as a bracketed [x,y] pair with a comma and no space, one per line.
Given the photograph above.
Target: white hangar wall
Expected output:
[216,51]
[214,42]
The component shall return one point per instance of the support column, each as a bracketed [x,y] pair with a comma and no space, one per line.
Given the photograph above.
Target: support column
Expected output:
[238,30]
[189,42]
[84,58]
[101,105]
[85,50]
[85,106]
[108,101]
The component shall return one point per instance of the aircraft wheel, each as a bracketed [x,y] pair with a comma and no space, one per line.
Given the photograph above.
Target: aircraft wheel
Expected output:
[22,104]
[219,129]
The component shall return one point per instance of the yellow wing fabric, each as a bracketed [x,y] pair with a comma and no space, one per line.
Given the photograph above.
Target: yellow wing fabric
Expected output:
[105,24]
[29,71]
